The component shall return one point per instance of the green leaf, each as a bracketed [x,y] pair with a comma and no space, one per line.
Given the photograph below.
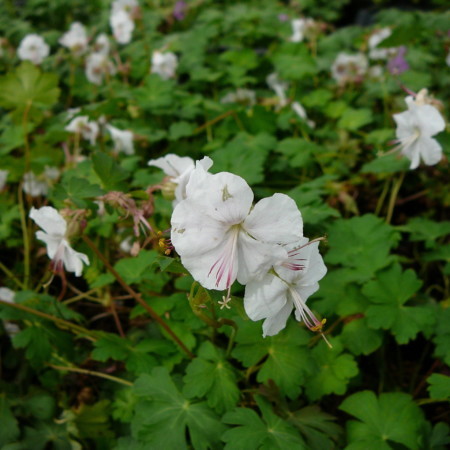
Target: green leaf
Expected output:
[391,418]
[388,163]
[359,338]
[36,340]
[298,151]
[362,244]
[353,119]
[439,386]
[77,189]
[27,86]
[180,129]
[9,430]
[390,291]
[423,229]
[92,421]
[156,93]
[211,376]
[110,173]
[317,427]
[245,156]
[442,338]
[332,372]
[135,269]
[110,346]
[294,62]
[285,358]
[163,416]
[41,405]
[268,432]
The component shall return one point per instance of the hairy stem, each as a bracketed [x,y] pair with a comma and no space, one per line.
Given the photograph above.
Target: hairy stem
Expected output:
[394,193]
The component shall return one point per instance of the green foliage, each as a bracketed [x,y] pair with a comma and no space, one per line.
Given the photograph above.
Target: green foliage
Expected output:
[163,414]
[439,386]
[391,419]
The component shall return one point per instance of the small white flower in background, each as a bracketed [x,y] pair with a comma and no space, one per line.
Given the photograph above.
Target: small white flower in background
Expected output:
[36,186]
[286,287]
[7,295]
[33,48]
[280,88]
[164,64]
[75,39]
[127,6]
[375,71]
[98,66]
[122,26]
[54,236]
[245,96]
[415,128]
[101,44]
[123,140]
[87,129]
[376,38]
[300,28]
[179,170]
[349,68]
[300,111]
[447,59]
[3,177]
[220,236]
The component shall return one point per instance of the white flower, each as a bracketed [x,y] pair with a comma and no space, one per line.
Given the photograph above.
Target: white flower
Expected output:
[122,26]
[123,140]
[82,125]
[54,236]
[7,295]
[280,88]
[287,287]
[245,96]
[299,28]
[98,66]
[179,170]
[102,44]
[349,68]
[124,5]
[300,111]
[33,48]
[221,237]
[36,186]
[75,39]
[164,64]
[375,39]
[447,59]
[3,177]
[415,128]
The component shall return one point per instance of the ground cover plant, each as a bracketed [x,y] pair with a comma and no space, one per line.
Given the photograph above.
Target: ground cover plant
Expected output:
[224,225]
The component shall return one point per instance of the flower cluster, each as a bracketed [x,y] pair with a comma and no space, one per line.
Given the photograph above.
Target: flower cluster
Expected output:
[221,237]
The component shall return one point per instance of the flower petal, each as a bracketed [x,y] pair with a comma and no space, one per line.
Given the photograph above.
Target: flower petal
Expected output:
[430,150]
[173,165]
[275,219]
[73,260]
[49,220]
[274,324]
[265,298]
[428,119]
[51,241]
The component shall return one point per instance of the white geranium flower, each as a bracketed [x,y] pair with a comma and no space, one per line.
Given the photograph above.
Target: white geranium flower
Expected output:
[280,88]
[76,39]
[221,237]
[54,236]
[299,29]
[300,111]
[3,177]
[349,68]
[102,44]
[86,128]
[122,26]
[123,140]
[375,39]
[33,48]
[287,287]
[98,66]
[245,96]
[415,128]
[124,5]
[179,170]
[7,295]
[164,64]
[36,186]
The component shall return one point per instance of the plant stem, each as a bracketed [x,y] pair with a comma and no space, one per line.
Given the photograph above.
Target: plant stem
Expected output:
[63,324]
[26,240]
[395,189]
[11,275]
[137,297]
[382,196]
[93,373]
